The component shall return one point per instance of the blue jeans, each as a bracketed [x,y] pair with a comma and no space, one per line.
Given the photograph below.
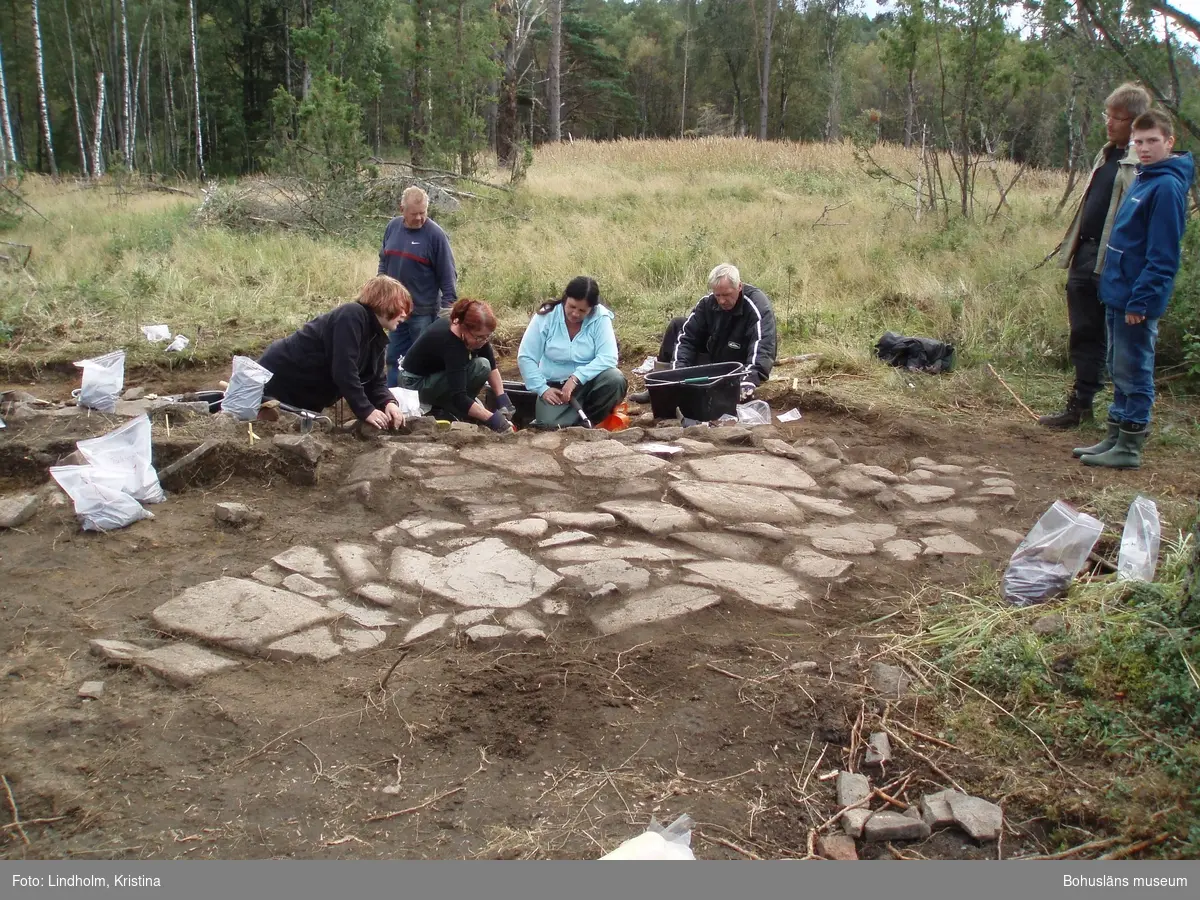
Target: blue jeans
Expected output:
[1131,365]
[401,342]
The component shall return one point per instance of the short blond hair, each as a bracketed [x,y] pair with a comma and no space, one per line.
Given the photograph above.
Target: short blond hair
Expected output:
[724,272]
[1131,97]
[413,194]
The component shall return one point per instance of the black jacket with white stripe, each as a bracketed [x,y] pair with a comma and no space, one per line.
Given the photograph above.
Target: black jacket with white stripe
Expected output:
[745,334]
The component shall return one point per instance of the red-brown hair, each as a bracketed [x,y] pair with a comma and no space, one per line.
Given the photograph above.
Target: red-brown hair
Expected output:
[386,297]
[476,315]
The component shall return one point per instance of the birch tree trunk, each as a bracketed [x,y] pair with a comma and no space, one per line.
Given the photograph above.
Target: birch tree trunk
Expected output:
[172,154]
[133,103]
[83,156]
[687,42]
[43,104]
[554,71]
[196,86]
[127,116]
[98,129]
[764,84]
[10,148]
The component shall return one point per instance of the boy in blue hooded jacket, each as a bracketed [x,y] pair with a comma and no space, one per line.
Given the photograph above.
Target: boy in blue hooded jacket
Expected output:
[1136,284]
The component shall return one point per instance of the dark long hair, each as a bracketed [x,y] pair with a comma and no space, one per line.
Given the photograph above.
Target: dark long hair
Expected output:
[581,287]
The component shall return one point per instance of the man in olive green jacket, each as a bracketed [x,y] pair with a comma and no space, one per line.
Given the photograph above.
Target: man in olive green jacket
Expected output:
[1083,248]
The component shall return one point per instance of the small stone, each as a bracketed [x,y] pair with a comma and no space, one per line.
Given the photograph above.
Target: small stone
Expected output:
[776,447]
[695,448]
[902,551]
[375,465]
[959,459]
[886,825]
[721,545]
[364,616]
[829,447]
[360,491]
[426,626]
[848,546]
[879,751]
[268,575]
[856,484]
[1007,534]
[526,528]
[303,446]
[821,505]
[949,545]
[532,634]
[355,562]
[979,818]
[521,620]
[1000,491]
[890,681]
[816,565]
[134,393]
[586,520]
[951,515]
[804,666]
[237,514]
[482,634]
[564,538]
[481,515]
[422,527]
[17,509]
[731,434]
[1048,625]
[379,594]
[888,499]
[935,809]
[992,470]
[314,643]
[853,821]
[358,640]
[547,440]
[922,462]
[837,846]
[852,787]
[629,435]
[552,606]
[879,473]
[306,560]
[920,476]
[925,493]
[946,470]
[762,530]
[608,589]
[306,587]
[91,690]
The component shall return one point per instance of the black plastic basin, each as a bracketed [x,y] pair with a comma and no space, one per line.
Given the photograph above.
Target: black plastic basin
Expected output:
[702,393]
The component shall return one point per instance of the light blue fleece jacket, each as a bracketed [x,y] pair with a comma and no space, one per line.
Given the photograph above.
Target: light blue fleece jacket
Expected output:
[548,354]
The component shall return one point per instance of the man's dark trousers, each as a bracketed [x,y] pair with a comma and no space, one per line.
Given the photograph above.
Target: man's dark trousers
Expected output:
[1085,313]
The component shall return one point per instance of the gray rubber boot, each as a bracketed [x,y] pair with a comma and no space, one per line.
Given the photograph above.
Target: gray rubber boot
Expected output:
[1126,454]
[1110,441]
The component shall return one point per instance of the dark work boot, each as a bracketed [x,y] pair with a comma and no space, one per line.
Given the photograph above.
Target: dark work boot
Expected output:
[1077,411]
[1110,441]
[1126,453]
[640,397]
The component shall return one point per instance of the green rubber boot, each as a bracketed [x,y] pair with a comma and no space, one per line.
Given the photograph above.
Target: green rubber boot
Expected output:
[1110,441]
[1126,454]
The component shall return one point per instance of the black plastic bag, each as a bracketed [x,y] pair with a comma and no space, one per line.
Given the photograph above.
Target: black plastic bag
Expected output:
[921,354]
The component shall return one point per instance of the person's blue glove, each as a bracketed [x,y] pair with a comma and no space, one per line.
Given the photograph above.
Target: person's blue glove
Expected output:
[503,403]
[498,423]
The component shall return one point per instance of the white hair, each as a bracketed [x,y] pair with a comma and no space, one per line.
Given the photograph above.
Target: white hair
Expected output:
[724,272]
[413,194]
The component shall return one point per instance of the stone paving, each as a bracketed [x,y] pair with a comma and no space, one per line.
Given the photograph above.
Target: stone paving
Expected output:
[504,548]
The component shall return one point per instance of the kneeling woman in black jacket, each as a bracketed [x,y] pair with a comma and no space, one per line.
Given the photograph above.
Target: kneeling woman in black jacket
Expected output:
[340,354]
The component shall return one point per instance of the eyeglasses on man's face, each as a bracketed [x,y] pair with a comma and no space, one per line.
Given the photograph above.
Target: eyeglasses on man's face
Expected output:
[1108,118]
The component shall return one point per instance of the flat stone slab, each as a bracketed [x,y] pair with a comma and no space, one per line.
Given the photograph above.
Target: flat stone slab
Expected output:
[879,473]
[379,594]
[515,460]
[951,515]
[631,466]
[461,481]
[526,528]
[752,468]
[618,572]
[919,476]
[716,545]
[521,620]
[848,546]
[306,587]
[375,465]
[17,509]
[853,821]
[473,617]
[91,690]
[868,531]
[821,505]
[363,616]
[1007,534]
[999,482]
[306,560]
[814,461]
[548,440]
[422,527]
[925,493]
[484,634]
[979,818]
[269,575]
[695,448]
[589,521]
[240,614]
[760,584]
[638,551]
[837,846]
[356,640]
[946,470]
[739,502]
[816,565]
[563,538]
[776,447]
[852,787]
[935,809]
[997,491]
[856,484]
[316,644]
[656,606]
[180,664]
[886,825]
[902,551]
[427,626]
[761,530]
[487,573]
[949,545]
[481,515]
[590,451]
[355,562]
[633,486]
[651,515]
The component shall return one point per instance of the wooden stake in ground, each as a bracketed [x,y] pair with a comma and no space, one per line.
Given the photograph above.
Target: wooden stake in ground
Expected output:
[1020,402]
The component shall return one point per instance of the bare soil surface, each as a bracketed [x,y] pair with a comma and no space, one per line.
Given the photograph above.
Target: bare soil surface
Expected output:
[561,748]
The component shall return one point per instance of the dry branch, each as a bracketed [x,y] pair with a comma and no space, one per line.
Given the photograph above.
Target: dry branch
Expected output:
[412,809]
[16,822]
[1020,402]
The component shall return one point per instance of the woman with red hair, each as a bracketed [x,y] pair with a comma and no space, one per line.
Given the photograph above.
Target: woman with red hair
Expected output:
[451,361]
[340,354]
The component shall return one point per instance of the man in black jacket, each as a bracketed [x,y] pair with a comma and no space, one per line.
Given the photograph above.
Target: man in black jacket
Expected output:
[734,322]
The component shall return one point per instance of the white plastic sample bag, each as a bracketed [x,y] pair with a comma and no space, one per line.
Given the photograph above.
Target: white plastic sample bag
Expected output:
[1047,561]
[410,401]
[180,343]
[127,450]
[157,333]
[244,395]
[100,501]
[1139,542]
[756,412]
[657,842]
[103,378]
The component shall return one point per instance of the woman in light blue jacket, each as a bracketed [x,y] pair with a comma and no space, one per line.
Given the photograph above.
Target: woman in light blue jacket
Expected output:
[568,357]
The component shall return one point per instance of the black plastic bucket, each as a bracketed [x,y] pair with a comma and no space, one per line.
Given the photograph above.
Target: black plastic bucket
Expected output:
[212,398]
[522,398]
[702,393]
